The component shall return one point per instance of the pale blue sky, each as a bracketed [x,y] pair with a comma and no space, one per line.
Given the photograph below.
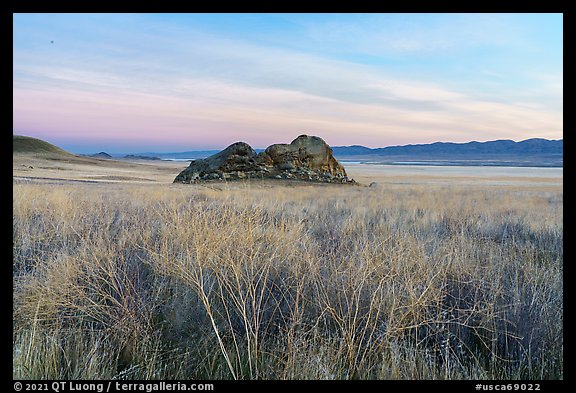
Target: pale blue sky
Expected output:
[170,82]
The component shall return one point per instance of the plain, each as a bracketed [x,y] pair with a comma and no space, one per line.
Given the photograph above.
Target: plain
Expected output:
[432,273]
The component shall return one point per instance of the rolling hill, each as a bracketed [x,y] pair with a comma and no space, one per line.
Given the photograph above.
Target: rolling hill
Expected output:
[28,145]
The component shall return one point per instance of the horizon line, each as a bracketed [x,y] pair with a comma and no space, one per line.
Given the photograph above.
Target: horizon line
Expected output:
[263,148]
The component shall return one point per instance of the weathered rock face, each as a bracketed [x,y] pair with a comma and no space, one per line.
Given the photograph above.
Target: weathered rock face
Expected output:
[306,152]
[238,157]
[306,158]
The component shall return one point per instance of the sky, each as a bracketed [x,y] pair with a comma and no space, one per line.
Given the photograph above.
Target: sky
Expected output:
[177,82]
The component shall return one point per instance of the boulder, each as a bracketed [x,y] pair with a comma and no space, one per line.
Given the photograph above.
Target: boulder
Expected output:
[237,157]
[305,152]
[306,158]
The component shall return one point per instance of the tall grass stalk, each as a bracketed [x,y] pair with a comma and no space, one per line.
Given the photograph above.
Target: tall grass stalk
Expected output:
[312,282]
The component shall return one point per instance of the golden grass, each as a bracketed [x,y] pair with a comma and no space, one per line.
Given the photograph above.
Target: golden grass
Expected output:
[261,280]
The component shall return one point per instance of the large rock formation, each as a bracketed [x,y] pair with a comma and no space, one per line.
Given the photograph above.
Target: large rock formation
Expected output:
[306,158]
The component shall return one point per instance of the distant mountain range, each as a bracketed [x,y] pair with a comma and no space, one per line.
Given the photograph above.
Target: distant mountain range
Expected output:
[530,152]
[102,154]
[535,146]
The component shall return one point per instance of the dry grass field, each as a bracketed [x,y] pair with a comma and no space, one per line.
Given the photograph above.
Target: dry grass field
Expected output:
[436,273]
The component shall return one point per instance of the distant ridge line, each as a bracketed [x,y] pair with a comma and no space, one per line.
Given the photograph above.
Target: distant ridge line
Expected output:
[503,146]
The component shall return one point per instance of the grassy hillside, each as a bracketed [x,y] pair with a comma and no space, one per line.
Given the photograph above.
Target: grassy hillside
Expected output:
[28,145]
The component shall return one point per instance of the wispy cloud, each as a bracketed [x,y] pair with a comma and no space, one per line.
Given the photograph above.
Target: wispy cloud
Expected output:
[173,83]
[420,34]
